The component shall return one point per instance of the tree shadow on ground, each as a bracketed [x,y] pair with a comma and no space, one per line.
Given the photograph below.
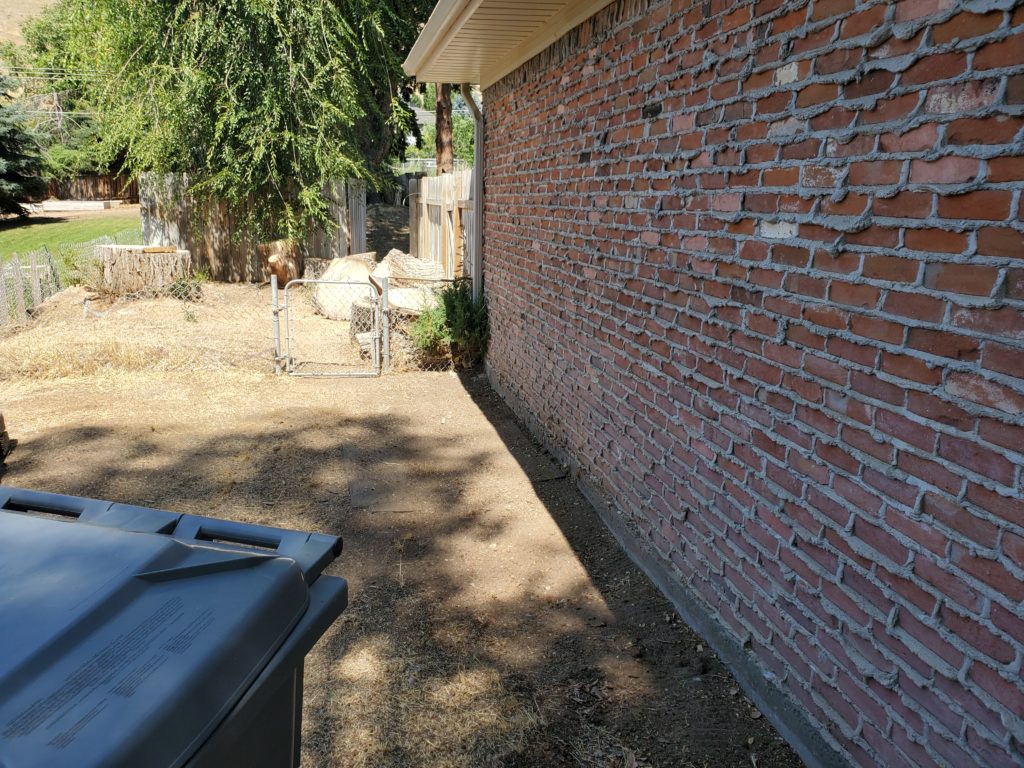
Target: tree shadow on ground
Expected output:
[493,619]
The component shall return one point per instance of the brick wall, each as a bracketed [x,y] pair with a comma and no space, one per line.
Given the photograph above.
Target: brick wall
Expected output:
[758,269]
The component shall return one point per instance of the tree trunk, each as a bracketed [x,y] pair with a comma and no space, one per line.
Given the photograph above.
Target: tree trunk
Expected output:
[136,269]
[443,121]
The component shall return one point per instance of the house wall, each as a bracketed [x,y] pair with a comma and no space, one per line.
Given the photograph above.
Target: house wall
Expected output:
[757,270]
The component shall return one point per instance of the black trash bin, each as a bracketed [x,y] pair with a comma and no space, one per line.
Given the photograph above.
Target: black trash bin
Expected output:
[139,637]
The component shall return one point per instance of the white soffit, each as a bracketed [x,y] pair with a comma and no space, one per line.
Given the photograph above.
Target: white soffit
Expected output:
[481,41]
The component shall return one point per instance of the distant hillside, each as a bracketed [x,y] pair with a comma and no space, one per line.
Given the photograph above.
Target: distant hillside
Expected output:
[14,12]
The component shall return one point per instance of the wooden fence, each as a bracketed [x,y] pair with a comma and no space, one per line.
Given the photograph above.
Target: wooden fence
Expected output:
[95,187]
[219,241]
[441,221]
[24,286]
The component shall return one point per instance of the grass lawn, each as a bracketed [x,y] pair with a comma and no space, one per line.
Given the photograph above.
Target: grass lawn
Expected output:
[52,231]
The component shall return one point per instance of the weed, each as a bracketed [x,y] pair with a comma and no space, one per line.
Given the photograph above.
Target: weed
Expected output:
[456,326]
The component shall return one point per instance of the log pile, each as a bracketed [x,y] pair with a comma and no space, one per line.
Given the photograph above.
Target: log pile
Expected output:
[133,270]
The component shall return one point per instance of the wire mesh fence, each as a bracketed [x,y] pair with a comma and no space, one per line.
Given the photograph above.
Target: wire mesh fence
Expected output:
[330,328]
[70,326]
[417,333]
[29,279]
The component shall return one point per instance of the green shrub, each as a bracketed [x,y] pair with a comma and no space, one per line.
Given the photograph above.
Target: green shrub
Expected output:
[455,327]
[467,323]
[429,332]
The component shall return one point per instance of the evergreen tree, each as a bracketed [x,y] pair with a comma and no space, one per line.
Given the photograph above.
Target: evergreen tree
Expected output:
[20,163]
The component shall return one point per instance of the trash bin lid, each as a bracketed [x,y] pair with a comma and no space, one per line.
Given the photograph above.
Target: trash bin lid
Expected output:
[122,648]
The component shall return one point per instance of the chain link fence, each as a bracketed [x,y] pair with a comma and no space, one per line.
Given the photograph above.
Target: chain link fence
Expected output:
[29,279]
[71,327]
[418,339]
[329,328]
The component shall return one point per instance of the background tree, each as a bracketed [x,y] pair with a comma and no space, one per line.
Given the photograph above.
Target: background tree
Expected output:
[260,103]
[443,128]
[20,162]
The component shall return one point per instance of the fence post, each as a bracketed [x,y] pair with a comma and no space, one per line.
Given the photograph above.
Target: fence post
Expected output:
[357,214]
[20,314]
[414,217]
[277,324]
[385,324]
[5,307]
[55,279]
[33,276]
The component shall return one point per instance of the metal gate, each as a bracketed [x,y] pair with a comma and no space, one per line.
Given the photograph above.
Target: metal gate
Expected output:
[330,328]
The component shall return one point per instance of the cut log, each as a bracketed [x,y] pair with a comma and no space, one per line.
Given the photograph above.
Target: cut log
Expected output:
[402,269]
[360,318]
[130,270]
[353,272]
[364,340]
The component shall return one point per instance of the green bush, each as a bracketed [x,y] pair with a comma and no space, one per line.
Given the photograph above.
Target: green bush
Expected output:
[429,332]
[456,326]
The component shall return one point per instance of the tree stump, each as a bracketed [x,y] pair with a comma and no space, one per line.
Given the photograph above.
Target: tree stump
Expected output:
[6,444]
[138,269]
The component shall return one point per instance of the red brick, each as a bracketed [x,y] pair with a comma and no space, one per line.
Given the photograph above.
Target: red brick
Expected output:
[935,240]
[1005,53]
[905,205]
[940,411]
[947,170]
[970,455]
[955,515]
[1002,690]
[910,593]
[875,173]
[818,93]
[990,572]
[961,97]
[905,430]
[985,392]
[970,131]
[911,369]
[930,472]
[854,295]
[873,83]
[1002,242]
[914,305]
[891,268]
[930,69]
[977,636]
[881,541]
[967,279]
[1006,169]
[983,205]
[948,583]
[863,22]
[1007,322]
[1010,436]
[919,139]
[877,328]
[1009,508]
[943,343]
[908,10]
[964,26]
[1008,621]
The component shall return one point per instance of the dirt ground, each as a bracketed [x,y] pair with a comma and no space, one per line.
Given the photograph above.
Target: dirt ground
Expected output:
[493,619]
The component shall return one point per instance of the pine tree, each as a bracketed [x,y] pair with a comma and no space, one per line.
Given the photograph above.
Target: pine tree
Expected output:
[20,161]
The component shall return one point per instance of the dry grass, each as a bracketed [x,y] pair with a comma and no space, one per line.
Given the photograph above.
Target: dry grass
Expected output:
[78,333]
[391,698]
